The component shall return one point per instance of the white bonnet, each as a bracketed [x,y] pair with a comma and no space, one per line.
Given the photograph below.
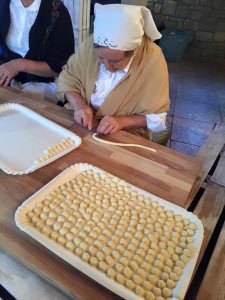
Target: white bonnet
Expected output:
[121,27]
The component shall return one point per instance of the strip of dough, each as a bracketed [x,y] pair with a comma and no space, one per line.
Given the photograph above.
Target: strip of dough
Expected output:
[120,144]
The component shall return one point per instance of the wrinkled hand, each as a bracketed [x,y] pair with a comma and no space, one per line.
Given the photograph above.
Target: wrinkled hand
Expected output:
[9,70]
[109,125]
[84,117]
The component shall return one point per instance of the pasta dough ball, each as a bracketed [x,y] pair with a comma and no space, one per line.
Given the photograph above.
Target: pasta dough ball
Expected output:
[155,271]
[120,279]
[141,273]
[61,240]
[39,225]
[139,291]
[190,239]
[102,266]
[100,256]
[146,266]
[69,236]
[147,285]
[175,257]
[157,291]
[109,260]
[187,252]
[149,296]
[127,272]
[70,246]
[124,260]
[170,283]
[30,214]
[120,249]
[149,258]
[161,284]
[63,230]
[166,292]
[46,230]
[178,218]
[61,219]
[182,245]
[35,219]
[167,269]
[177,270]
[134,265]
[140,252]
[83,246]
[154,246]
[123,242]
[111,273]
[174,276]
[137,279]
[77,241]
[52,215]
[180,264]
[170,250]
[158,264]
[44,216]
[129,284]
[78,251]
[54,235]
[152,279]
[165,253]
[119,267]
[138,259]
[164,276]
[192,226]
[94,261]
[74,230]
[127,254]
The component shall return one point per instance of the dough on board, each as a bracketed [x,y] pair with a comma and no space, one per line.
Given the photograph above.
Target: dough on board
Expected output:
[112,227]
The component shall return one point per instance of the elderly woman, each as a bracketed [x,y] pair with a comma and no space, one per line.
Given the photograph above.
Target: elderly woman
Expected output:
[36,40]
[118,77]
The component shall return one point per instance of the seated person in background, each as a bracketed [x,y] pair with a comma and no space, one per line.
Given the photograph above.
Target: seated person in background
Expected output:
[36,40]
[118,77]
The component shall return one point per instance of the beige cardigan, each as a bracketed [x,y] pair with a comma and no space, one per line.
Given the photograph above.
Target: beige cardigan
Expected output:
[143,90]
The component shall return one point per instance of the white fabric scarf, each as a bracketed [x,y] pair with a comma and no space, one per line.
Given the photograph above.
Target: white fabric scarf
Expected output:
[121,27]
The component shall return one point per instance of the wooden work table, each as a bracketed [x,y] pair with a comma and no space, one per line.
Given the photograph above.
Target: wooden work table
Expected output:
[165,173]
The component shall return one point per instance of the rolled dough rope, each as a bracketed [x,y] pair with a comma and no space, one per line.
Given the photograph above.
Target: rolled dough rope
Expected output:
[94,135]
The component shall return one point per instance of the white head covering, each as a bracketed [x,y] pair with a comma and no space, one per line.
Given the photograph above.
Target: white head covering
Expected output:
[121,27]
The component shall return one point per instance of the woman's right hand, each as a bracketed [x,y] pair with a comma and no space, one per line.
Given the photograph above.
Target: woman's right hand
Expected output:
[83,114]
[84,117]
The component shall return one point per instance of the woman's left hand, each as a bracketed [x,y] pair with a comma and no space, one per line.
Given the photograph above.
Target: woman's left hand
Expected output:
[8,71]
[109,124]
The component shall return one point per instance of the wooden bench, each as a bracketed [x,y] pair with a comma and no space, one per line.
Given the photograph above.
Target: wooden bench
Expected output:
[208,280]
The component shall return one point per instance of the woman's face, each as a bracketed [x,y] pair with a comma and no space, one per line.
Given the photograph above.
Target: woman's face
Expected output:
[113,60]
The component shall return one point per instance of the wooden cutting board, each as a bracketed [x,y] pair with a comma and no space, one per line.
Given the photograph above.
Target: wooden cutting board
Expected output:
[165,173]
[170,175]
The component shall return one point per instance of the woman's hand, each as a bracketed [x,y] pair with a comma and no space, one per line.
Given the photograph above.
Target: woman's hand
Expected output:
[9,70]
[84,117]
[12,68]
[109,124]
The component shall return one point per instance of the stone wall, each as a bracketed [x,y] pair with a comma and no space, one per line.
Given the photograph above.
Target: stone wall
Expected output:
[205,18]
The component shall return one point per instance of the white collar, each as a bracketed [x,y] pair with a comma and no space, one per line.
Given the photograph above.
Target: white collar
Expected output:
[125,69]
[34,7]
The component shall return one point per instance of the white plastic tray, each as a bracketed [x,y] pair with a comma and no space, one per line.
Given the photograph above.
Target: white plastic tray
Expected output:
[24,135]
[23,223]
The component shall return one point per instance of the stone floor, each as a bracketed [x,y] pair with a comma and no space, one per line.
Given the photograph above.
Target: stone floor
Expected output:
[197,93]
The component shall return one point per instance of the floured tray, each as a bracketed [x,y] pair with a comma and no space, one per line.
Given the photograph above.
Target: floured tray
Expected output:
[30,141]
[130,241]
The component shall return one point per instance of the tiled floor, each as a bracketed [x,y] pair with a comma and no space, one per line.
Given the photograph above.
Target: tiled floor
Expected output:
[197,93]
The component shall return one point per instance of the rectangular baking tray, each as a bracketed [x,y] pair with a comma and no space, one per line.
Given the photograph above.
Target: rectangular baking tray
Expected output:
[68,174]
[24,135]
